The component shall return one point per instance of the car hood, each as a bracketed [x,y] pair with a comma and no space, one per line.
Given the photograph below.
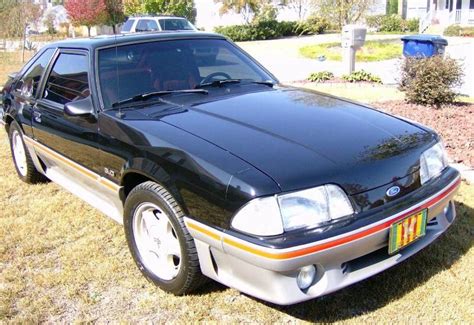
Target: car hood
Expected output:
[302,139]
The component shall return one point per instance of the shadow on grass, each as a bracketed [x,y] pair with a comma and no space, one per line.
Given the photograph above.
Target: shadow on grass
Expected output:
[394,283]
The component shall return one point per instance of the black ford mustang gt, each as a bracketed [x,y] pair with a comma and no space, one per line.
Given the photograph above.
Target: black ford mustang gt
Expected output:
[216,169]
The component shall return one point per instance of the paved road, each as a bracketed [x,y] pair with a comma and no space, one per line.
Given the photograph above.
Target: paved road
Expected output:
[282,58]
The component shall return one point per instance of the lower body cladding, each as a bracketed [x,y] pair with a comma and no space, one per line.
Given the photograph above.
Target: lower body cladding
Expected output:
[276,275]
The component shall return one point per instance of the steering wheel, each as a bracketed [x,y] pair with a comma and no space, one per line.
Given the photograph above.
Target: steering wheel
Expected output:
[211,77]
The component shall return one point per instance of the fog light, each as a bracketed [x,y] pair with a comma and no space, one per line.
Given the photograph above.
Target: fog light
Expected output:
[306,277]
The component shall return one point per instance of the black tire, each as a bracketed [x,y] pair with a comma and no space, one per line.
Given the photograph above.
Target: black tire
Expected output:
[189,276]
[28,172]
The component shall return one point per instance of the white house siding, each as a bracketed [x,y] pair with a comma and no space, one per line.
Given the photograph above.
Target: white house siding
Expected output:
[416,8]
[378,7]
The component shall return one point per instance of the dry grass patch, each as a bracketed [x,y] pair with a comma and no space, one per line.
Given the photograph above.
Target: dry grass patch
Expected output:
[11,62]
[62,261]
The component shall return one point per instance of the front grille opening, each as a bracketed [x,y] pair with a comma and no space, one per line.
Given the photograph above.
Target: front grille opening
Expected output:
[432,222]
[365,261]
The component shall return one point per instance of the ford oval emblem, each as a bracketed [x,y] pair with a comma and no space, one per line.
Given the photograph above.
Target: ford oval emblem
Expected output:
[392,191]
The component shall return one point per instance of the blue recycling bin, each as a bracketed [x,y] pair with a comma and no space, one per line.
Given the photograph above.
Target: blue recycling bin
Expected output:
[423,45]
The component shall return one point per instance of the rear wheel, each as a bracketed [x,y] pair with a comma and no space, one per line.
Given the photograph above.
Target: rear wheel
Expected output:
[160,244]
[21,158]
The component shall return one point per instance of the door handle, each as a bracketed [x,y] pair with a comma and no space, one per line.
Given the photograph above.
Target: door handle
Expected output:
[37,116]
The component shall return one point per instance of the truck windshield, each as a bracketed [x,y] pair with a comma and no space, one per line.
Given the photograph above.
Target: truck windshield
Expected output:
[175,24]
[130,70]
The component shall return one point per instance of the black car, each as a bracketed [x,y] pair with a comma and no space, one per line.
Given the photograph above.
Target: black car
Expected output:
[216,169]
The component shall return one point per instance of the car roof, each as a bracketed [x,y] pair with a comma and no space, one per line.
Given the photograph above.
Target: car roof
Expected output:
[105,40]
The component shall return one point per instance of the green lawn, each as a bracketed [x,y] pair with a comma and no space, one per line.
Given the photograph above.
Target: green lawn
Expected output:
[371,51]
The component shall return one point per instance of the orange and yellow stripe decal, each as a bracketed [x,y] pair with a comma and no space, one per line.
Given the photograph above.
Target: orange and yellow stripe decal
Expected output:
[86,172]
[276,254]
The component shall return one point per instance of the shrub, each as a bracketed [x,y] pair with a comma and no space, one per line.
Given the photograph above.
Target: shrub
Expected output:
[262,29]
[412,25]
[362,75]
[430,81]
[313,25]
[456,30]
[321,76]
[392,23]
[452,30]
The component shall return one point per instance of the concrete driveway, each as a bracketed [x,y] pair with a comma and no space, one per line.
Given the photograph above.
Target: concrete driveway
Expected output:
[282,58]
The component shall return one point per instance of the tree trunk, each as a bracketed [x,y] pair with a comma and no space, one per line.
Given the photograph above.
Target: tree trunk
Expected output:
[89,31]
[113,28]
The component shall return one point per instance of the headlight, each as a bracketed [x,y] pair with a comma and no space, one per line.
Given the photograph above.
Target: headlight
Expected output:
[302,209]
[432,162]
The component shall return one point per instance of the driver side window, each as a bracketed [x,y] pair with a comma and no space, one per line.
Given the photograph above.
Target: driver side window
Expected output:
[68,79]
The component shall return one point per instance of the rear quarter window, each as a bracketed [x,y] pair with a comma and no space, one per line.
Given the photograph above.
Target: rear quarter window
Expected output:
[29,82]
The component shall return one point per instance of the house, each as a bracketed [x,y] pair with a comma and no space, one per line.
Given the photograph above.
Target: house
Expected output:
[438,12]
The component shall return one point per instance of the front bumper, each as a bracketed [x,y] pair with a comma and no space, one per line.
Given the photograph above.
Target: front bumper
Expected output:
[270,273]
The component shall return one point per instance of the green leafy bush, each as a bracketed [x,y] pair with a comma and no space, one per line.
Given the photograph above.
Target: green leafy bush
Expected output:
[452,30]
[362,75]
[311,26]
[412,25]
[456,30]
[430,81]
[262,29]
[392,23]
[321,76]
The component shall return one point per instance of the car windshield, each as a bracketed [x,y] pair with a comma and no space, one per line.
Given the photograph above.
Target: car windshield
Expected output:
[128,25]
[175,24]
[132,70]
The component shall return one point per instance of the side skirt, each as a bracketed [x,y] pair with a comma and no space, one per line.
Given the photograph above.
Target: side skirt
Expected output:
[92,188]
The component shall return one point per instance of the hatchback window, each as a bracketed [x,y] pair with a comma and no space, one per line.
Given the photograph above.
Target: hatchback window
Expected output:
[28,84]
[175,24]
[68,79]
[146,25]
[128,25]
[135,69]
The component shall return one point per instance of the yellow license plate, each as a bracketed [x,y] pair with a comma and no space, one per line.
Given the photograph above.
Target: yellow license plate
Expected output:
[406,231]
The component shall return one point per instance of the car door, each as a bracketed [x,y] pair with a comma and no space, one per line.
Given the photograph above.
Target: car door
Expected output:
[68,138]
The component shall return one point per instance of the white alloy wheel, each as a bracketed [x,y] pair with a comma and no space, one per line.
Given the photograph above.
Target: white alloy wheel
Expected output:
[157,241]
[19,153]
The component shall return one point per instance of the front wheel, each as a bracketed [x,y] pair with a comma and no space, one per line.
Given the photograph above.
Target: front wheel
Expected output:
[159,242]
[21,158]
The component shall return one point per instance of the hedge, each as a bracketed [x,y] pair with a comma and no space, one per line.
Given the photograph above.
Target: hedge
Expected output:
[268,29]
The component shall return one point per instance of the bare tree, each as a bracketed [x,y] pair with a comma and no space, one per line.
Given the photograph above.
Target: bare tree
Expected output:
[15,15]
[246,8]
[344,11]
[301,7]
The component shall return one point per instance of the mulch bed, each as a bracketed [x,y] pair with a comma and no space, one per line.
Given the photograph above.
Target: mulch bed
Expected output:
[455,124]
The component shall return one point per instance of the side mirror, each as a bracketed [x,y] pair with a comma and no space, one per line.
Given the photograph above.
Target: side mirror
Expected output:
[80,108]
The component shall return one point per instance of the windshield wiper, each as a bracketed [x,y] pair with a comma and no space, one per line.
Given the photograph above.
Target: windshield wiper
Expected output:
[145,96]
[268,83]
[218,83]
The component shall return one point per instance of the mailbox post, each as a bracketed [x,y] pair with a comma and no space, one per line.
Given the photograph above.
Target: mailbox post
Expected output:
[353,38]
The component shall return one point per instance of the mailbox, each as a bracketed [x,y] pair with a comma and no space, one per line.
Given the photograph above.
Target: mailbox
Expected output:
[352,39]
[353,36]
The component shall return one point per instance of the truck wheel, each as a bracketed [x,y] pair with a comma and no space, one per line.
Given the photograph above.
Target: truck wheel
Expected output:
[21,157]
[159,241]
